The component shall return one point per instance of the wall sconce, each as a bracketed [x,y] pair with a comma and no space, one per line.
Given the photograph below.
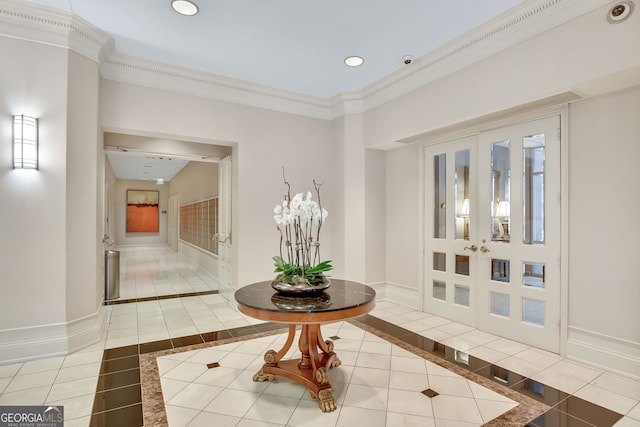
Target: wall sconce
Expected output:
[504,210]
[25,142]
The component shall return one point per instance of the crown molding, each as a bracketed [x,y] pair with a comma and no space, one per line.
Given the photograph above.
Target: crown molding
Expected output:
[28,21]
[139,71]
[523,22]
[32,22]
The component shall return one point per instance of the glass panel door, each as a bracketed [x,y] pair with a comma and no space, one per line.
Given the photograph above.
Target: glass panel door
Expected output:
[519,247]
[450,259]
[492,232]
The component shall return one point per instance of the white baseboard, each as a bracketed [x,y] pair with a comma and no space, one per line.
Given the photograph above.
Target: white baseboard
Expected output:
[400,294]
[603,351]
[36,342]
[203,259]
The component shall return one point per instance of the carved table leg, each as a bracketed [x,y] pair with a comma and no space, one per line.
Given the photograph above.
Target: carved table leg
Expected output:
[311,370]
[325,399]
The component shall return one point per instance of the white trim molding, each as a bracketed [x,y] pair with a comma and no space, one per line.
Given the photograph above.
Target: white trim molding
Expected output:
[29,21]
[58,339]
[604,351]
[402,294]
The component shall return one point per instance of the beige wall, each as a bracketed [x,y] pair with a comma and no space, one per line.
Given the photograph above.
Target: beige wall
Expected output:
[84,185]
[587,55]
[50,264]
[196,181]
[570,57]
[265,141]
[603,215]
[37,254]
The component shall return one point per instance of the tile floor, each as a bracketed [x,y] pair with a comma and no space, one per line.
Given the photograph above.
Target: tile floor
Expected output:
[108,374]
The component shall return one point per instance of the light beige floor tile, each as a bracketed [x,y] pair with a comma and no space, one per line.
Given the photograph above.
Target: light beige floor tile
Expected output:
[490,409]
[606,398]
[66,390]
[409,402]
[567,376]
[207,419]
[82,358]
[235,403]
[72,373]
[39,365]
[405,420]
[456,409]
[450,386]
[408,381]
[413,364]
[178,416]
[27,381]
[618,384]
[220,377]
[75,407]
[370,376]
[171,387]
[31,396]
[366,397]
[8,371]
[627,422]
[306,414]
[354,416]
[195,396]
[378,361]
[272,409]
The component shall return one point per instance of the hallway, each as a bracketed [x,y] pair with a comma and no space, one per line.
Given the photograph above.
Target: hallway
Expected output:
[158,344]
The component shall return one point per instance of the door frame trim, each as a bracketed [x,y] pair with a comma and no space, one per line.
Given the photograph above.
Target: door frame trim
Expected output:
[464,129]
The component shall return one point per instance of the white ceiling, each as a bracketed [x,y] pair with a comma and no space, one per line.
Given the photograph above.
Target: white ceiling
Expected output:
[294,45]
[141,167]
[134,157]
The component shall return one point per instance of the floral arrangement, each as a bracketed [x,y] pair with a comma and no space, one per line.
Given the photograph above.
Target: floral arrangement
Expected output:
[299,220]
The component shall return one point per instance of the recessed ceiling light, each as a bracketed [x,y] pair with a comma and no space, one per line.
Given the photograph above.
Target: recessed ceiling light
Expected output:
[353,61]
[184,7]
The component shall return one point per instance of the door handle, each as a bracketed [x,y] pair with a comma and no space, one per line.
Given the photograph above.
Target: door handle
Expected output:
[472,248]
[484,249]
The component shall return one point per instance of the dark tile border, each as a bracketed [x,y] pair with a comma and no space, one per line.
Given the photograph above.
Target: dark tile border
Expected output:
[123,372]
[119,398]
[564,407]
[161,297]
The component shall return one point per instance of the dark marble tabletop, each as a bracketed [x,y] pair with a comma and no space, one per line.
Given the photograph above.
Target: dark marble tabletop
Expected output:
[341,295]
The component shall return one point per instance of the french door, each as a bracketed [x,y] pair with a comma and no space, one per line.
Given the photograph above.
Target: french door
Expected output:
[225,249]
[492,231]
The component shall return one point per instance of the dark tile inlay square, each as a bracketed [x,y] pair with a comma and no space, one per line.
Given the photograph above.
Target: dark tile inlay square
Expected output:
[430,393]
[118,379]
[150,347]
[122,364]
[116,353]
[188,340]
[128,416]
[439,348]
[213,365]
[117,398]
[209,336]
[335,337]
[588,412]
[557,418]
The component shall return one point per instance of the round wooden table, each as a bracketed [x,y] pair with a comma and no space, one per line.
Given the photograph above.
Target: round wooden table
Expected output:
[341,301]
